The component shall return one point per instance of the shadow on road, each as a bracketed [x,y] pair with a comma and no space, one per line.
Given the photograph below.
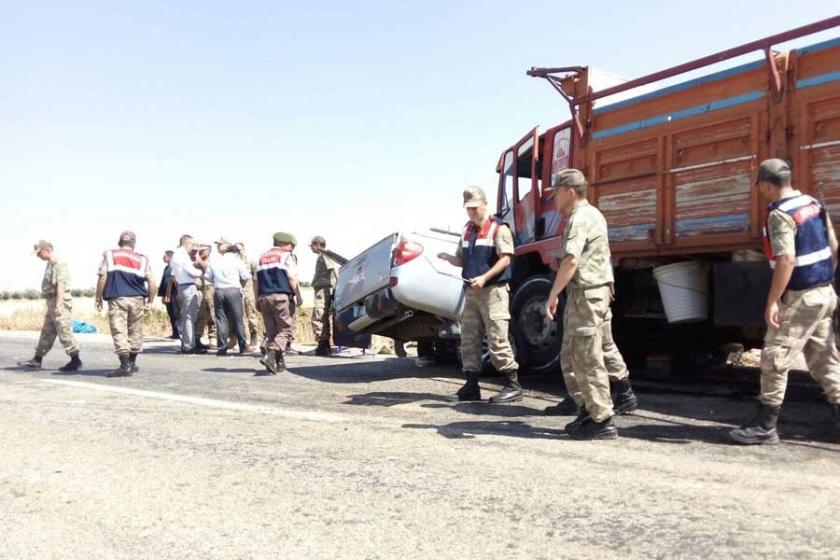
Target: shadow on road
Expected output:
[382,398]
[83,373]
[469,430]
[353,371]
[485,408]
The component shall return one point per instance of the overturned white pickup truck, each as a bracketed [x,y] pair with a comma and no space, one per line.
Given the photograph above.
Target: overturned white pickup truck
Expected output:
[399,288]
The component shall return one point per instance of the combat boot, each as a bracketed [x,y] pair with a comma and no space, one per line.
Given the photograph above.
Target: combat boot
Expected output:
[34,363]
[835,419]
[761,429]
[270,363]
[566,407]
[75,364]
[281,362]
[132,359]
[582,417]
[323,348]
[590,429]
[470,391]
[124,370]
[511,392]
[623,397]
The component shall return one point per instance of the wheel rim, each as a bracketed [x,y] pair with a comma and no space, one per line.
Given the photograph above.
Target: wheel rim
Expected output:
[533,326]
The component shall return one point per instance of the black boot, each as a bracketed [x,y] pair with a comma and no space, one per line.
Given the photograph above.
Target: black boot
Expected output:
[124,370]
[75,364]
[590,429]
[511,392]
[281,362]
[132,359]
[566,407]
[323,348]
[761,429]
[623,397]
[269,360]
[835,418]
[582,417]
[34,363]
[470,391]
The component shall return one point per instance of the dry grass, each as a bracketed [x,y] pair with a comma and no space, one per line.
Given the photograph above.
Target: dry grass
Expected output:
[30,317]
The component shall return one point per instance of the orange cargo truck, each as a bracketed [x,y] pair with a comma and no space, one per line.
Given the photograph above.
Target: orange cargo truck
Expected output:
[673,171]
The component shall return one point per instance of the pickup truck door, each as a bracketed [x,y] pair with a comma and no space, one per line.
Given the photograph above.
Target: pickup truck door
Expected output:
[518,193]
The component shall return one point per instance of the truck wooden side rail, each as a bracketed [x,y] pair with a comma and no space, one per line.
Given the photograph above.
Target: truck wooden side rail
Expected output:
[673,172]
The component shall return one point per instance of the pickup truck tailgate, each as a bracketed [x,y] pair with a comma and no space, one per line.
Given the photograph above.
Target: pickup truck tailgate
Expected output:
[366,273]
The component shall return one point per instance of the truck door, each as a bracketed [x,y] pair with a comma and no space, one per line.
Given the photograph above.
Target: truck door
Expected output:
[518,187]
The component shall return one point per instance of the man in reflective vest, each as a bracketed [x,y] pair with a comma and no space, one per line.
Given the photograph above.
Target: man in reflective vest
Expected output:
[485,254]
[126,283]
[277,289]
[802,249]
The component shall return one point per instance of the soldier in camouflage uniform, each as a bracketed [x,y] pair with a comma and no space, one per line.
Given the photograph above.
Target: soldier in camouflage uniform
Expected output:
[586,274]
[55,288]
[252,316]
[485,253]
[125,282]
[206,309]
[802,248]
[323,283]
[624,398]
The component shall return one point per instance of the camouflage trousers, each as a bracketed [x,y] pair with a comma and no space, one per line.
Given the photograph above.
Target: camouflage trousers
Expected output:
[487,313]
[125,317]
[206,312]
[586,313]
[321,314]
[251,315]
[613,360]
[805,324]
[61,327]
[278,312]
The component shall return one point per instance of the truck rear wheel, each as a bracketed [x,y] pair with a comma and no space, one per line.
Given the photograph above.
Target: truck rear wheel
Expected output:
[539,340]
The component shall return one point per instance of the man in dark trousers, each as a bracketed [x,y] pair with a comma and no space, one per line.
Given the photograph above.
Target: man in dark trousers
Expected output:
[165,294]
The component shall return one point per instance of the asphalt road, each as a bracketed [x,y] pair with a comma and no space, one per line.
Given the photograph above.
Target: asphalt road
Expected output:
[363,458]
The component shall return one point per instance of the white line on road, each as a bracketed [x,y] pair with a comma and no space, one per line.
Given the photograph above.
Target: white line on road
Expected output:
[202,401]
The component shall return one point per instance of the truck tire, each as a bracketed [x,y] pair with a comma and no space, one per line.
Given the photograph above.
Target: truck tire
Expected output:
[538,341]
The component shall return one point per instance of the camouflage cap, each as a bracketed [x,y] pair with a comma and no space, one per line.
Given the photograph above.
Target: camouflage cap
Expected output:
[474,196]
[566,178]
[41,245]
[283,237]
[319,240]
[773,170]
[128,237]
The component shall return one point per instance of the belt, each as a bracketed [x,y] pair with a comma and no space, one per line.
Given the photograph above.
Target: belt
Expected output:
[184,285]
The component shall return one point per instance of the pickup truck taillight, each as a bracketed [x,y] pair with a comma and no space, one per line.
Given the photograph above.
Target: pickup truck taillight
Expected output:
[406,251]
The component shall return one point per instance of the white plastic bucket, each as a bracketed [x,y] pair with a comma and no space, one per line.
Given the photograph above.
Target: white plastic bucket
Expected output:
[684,288]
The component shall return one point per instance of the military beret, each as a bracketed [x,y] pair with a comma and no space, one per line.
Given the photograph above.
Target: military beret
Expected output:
[283,237]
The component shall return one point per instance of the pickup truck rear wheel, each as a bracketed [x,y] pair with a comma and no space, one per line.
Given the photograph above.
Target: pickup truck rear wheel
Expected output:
[539,340]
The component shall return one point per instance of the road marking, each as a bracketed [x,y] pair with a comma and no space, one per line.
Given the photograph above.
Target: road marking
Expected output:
[203,401]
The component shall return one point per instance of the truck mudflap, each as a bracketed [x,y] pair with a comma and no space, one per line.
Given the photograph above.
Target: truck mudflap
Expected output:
[366,273]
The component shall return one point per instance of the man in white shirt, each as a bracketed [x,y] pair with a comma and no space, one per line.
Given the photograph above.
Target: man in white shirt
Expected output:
[185,271]
[228,274]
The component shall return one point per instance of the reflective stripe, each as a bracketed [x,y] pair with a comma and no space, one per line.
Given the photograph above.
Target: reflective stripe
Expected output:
[267,266]
[801,200]
[809,259]
[815,257]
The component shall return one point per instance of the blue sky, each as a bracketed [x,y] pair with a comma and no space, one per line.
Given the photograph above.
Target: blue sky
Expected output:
[346,119]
